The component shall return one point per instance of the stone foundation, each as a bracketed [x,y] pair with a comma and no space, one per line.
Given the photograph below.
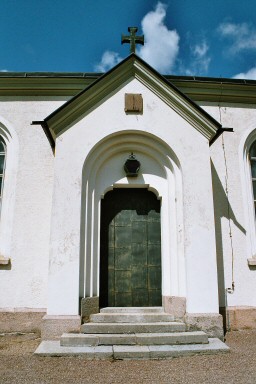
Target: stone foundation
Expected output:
[21,320]
[237,318]
[54,326]
[89,306]
[174,305]
[210,323]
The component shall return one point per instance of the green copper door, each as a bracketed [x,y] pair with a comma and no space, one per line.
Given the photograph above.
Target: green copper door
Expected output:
[130,263]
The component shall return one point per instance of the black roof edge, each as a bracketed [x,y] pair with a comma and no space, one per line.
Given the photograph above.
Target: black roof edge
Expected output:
[47,132]
[205,79]
[218,133]
[50,74]
[79,75]
[166,81]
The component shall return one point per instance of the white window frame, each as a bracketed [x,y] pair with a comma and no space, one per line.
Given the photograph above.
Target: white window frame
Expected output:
[248,196]
[8,194]
[253,179]
[2,174]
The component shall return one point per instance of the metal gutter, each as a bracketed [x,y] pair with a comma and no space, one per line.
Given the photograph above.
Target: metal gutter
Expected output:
[95,75]
[50,75]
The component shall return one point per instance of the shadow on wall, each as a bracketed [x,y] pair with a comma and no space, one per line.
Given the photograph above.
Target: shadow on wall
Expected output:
[222,208]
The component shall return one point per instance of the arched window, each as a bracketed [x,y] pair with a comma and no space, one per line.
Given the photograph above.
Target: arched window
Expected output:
[2,166]
[252,156]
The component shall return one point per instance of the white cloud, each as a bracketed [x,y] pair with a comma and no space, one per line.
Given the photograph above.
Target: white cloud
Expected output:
[200,50]
[200,60]
[4,70]
[161,44]
[109,60]
[242,36]
[251,74]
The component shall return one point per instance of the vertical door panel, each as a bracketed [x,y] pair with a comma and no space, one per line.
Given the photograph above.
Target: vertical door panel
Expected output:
[130,269]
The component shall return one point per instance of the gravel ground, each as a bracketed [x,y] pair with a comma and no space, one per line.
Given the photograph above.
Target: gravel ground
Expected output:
[19,365]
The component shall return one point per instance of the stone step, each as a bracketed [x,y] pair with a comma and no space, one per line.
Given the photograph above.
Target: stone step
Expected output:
[130,317]
[132,310]
[117,352]
[80,339]
[121,352]
[157,327]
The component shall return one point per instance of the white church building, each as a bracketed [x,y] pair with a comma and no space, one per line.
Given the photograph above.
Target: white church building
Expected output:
[127,189]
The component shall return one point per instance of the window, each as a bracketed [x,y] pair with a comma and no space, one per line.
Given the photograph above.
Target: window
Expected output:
[252,156]
[2,166]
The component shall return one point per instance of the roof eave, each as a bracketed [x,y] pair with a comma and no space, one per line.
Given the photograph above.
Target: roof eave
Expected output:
[132,66]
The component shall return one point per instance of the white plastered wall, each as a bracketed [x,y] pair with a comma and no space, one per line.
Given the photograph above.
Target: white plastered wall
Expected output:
[27,198]
[189,152]
[235,215]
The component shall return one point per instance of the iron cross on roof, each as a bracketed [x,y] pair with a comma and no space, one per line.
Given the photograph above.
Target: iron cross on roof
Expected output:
[133,39]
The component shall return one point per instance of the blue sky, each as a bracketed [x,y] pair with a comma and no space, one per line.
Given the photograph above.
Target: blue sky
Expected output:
[215,38]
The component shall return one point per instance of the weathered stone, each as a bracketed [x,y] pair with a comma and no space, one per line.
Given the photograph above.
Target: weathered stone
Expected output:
[115,339]
[131,352]
[130,317]
[54,326]
[133,327]
[132,310]
[237,318]
[53,348]
[89,305]
[210,323]
[81,339]
[133,340]
[78,340]
[169,351]
[21,321]
[175,305]
[171,338]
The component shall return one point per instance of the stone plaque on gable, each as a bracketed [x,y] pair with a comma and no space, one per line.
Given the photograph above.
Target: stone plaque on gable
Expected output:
[133,102]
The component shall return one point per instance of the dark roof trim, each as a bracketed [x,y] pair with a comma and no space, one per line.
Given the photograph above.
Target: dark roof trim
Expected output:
[47,132]
[217,80]
[96,75]
[218,133]
[50,75]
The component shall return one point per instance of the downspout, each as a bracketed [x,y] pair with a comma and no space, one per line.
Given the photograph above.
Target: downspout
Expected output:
[231,289]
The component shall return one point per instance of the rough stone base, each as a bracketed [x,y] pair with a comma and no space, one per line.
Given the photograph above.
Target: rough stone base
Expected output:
[89,306]
[174,305]
[210,323]
[21,320]
[54,326]
[133,352]
[237,318]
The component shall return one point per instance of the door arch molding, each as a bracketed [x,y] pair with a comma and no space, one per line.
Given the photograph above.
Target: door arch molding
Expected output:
[160,173]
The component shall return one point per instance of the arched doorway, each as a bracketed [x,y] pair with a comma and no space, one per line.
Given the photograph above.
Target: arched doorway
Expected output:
[161,174]
[130,249]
